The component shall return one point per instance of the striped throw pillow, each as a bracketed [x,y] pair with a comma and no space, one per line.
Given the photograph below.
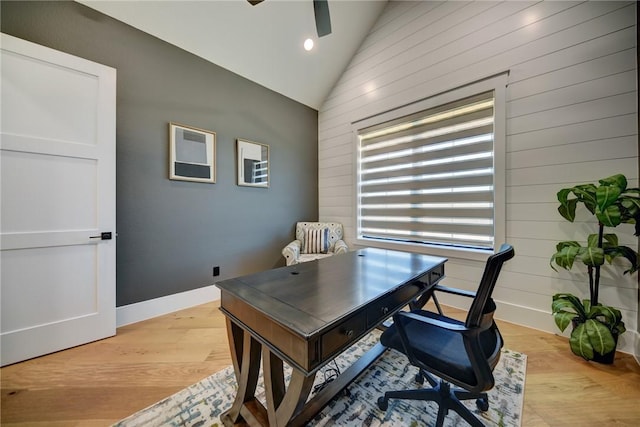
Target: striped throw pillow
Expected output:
[316,241]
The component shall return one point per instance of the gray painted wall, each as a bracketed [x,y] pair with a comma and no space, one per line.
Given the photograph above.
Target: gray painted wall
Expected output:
[171,233]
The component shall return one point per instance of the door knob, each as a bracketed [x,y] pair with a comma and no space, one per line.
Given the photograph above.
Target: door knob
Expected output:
[103,236]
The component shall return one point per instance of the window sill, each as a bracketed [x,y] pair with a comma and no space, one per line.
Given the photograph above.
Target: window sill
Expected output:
[457,253]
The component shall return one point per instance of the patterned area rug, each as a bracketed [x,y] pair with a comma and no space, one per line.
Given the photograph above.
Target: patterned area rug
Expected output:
[202,403]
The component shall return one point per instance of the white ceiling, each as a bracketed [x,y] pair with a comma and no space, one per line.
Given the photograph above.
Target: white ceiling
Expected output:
[262,43]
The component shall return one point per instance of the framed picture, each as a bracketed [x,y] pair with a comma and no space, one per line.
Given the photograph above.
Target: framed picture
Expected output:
[253,164]
[192,154]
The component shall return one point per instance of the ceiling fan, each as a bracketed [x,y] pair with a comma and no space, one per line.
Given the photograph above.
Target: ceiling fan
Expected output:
[321,10]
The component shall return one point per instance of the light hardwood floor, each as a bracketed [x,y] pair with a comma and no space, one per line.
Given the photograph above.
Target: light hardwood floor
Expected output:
[100,383]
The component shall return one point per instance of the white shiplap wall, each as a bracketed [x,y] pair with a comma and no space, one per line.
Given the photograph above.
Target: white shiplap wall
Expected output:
[571,118]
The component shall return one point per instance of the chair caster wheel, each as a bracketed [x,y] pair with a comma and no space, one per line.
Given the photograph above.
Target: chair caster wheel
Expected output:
[383,404]
[419,378]
[482,404]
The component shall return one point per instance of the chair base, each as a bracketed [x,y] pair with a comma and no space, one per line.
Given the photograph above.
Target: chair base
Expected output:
[444,395]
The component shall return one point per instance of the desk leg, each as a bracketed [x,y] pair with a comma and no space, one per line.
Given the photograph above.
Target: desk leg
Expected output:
[286,405]
[245,351]
[272,369]
[283,405]
[234,336]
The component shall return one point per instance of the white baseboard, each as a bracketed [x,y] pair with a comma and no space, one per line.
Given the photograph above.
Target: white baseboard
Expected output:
[542,321]
[132,313]
[536,319]
[524,316]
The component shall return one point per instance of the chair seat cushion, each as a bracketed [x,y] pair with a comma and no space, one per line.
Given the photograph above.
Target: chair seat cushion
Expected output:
[312,257]
[438,348]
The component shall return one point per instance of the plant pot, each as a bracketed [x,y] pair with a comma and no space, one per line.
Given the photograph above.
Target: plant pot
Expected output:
[607,358]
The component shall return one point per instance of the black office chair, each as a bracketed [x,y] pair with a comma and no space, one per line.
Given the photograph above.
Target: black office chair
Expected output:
[462,354]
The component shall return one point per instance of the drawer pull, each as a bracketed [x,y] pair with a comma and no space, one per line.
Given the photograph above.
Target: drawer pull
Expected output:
[349,333]
[384,310]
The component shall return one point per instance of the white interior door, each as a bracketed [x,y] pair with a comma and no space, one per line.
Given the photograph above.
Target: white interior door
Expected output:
[57,184]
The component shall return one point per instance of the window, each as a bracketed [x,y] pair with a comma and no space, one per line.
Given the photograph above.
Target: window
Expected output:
[434,177]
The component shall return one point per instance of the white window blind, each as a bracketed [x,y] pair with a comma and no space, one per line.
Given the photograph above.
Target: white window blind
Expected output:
[428,177]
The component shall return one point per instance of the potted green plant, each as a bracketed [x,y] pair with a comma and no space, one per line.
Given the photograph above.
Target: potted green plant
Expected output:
[596,327]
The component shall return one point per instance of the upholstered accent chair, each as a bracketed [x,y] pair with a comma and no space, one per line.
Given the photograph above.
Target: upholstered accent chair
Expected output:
[315,240]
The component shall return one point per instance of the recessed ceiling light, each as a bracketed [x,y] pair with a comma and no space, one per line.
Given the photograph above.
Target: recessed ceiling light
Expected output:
[308,44]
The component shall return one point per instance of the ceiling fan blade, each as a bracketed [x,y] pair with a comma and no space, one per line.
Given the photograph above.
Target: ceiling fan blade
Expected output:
[323,21]
[255,2]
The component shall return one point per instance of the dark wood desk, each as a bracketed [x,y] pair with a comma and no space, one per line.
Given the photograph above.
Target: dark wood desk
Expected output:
[305,315]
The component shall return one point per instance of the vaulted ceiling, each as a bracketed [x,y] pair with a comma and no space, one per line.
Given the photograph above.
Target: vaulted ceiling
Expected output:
[263,43]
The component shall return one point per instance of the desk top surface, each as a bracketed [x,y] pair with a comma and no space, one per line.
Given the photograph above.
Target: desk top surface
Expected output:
[307,297]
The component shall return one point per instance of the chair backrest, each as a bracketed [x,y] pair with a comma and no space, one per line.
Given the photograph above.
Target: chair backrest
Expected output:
[335,231]
[483,304]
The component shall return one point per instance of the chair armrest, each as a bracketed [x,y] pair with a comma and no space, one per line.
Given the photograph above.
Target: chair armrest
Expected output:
[455,291]
[291,252]
[340,247]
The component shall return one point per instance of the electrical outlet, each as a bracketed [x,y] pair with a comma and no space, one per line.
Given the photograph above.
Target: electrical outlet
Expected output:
[216,271]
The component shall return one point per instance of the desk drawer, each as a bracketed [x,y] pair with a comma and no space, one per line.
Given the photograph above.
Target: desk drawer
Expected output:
[342,334]
[436,274]
[386,306]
